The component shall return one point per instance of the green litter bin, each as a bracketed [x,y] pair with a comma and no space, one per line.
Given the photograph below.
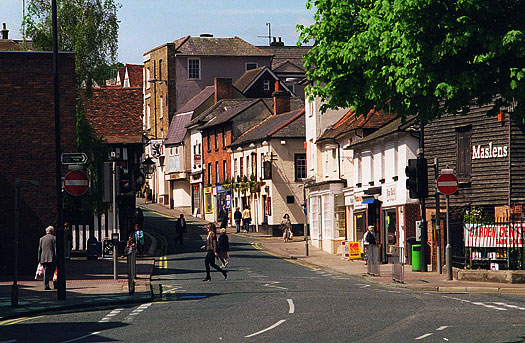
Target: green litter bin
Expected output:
[416,257]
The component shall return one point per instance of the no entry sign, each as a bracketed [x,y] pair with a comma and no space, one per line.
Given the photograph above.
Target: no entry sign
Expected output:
[447,184]
[76,182]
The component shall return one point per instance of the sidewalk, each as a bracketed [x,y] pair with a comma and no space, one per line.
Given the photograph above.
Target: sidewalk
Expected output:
[89,283]
[296,251]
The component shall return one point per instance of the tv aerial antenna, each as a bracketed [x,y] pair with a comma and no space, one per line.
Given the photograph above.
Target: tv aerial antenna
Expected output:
[269,34]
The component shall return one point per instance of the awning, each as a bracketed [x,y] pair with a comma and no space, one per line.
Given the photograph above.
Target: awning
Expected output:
[368,200]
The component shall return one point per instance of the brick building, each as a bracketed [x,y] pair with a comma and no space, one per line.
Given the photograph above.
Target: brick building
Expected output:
[28,146]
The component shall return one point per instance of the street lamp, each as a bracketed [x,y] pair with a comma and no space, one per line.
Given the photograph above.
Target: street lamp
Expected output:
[14,288]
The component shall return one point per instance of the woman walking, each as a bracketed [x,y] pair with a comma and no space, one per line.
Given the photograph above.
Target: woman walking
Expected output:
[286,226]
[223,246]
[211,252]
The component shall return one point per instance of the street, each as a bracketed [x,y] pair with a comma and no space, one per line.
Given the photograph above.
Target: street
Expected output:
[268,299]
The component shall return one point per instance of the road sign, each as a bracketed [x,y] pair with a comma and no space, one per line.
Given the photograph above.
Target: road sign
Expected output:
[76,182]
[447,184]
[74,158]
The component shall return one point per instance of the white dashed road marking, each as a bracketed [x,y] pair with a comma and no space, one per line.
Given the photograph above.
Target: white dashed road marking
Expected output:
[424,336]
[110,315]
[136,311]
[272,284]
[510,306]
[292,306]
[267,329]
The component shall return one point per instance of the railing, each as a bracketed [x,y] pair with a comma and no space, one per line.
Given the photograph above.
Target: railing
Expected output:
[398,266]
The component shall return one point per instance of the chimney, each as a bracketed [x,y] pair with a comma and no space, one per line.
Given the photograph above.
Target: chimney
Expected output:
[5,32]
[223,88]
[281,100]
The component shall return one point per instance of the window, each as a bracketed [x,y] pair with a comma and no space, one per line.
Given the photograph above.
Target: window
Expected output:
[247,165]
[251,65]
[290,199]
[463,146]
[267,170]
[174,160]
[223,138]
[160,69]
[235,170]
[216,140]
[300,166]
[254,164]
[224,171]
[147,78]
[208,139]
[209,173]
[217,172]
[161,108]
[148,116]
[266,85]
[194,68]
[241,170]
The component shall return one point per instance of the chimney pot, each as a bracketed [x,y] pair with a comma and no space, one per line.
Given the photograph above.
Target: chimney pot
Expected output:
[281,101]
[5,32]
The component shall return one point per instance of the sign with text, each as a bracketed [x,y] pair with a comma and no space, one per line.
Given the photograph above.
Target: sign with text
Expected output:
[493,235]
[73,158]
[490,151]
[354,250]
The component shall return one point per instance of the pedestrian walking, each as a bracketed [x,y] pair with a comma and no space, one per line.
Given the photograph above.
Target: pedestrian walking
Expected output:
[147,193]
[47,254]
[286,226]
[246,219]
[224,217]
[237,216]
[369,241]
[140,218]
[68,240]
[180,229]
[223,246]
[138,238]
[211,252]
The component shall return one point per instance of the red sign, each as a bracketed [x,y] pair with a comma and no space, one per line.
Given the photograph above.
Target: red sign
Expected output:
[76,182]
[447,184]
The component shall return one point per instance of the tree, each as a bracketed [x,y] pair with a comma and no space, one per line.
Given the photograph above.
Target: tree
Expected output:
[414,57]
[89,28]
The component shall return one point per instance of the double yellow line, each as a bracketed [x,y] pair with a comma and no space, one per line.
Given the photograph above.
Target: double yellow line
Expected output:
[16,320]
[163,262]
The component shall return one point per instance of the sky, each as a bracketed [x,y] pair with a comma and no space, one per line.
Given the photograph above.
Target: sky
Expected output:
[147,24]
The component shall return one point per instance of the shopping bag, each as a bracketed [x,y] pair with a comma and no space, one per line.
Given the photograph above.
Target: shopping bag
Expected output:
[291,235]
[39,275]
[55,276]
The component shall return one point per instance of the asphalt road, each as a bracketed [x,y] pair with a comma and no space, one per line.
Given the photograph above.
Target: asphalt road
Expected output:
[267,299]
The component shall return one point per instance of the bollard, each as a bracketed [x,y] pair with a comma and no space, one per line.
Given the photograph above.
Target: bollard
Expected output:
[131,270]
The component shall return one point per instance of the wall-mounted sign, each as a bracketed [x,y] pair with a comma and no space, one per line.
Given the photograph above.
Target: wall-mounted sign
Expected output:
[197,159]
[391,193]
[479,152]
[493,235]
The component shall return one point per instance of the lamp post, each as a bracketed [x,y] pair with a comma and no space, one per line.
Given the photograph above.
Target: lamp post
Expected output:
[14,288]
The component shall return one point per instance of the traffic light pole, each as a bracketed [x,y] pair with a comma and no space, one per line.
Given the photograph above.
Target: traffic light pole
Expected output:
[114,170]
[424,236]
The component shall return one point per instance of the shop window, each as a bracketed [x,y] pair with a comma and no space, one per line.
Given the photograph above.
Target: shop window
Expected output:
[463,151]
[340,215]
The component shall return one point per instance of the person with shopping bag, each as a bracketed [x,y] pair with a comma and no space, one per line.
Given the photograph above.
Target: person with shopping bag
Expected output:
[47,255]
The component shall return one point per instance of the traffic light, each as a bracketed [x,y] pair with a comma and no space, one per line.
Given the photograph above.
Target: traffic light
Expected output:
[123,180]
[411,173]
[422,178]
[417,178]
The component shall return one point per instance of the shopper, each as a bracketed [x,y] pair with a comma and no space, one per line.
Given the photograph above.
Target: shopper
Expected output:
[211,252]
[138,237]
[47,254]
[286,226]
[180,229]
[223,246]
[237,216]
[246,219]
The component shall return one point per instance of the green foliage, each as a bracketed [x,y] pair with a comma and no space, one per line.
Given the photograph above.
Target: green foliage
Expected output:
[89,28]
[97,151]
[415,57]
[474,215]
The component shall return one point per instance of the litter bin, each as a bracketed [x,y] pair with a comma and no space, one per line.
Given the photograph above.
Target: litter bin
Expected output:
[92,248]
[416,257]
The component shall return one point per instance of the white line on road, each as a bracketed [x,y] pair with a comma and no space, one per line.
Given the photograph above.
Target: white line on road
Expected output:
[111,314]
[424,336]
[272,283]
[79,338]
[365,286]
[136,311]
[490,306]
[267,329]
[509,306]
[441,328]
[292,306]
